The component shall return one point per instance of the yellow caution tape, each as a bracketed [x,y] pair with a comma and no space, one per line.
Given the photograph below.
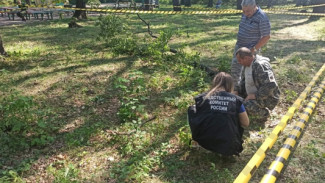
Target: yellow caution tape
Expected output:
[211,12]
[270,9]
[294,13]
[284,153]
[158,12]
[295,7]
[248,171]
[216,12]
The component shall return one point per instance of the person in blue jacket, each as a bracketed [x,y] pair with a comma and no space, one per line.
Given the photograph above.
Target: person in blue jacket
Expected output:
[218,5]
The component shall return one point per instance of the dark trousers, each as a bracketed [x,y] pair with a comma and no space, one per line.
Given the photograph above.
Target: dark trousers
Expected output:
[21,15]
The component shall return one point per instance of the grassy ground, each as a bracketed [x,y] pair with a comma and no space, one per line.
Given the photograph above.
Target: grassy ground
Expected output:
[84,114]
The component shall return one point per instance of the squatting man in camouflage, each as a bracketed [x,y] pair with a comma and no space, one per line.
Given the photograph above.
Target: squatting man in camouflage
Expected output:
[257,85]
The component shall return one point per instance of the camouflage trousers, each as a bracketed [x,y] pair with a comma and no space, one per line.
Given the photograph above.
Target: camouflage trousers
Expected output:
[255,110]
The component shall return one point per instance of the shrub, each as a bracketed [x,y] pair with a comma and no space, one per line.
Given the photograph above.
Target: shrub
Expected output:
[22,124]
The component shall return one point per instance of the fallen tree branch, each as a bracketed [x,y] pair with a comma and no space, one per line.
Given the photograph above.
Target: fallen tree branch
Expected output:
[150,33]
[210,71]
[2,49]
[148,25]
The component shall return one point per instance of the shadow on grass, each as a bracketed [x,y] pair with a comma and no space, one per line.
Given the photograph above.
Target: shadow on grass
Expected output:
[180,166]
[66,111]
[307,49]
[288,22]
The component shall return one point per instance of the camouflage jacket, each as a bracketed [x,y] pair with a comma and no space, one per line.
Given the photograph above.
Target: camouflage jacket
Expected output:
[23,7]
[268,93]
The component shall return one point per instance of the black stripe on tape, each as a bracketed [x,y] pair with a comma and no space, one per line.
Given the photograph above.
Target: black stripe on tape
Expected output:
[302,120]
[273,172]
[297,128]
[292,137]
[315,96]
[307,113]
[287,146]
[314,102]
[280,159]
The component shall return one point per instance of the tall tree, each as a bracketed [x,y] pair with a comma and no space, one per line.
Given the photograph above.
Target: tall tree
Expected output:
[177,5]
[187,3]
[80,14]
[2,49]
[148,5]
[210,3]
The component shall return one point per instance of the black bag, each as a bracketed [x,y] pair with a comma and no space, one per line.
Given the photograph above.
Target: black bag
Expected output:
[216,132]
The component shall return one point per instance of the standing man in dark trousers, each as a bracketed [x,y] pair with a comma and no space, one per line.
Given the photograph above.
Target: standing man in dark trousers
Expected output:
[254,32]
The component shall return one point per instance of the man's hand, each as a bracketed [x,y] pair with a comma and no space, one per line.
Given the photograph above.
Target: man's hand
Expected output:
[250,97]
[254,50]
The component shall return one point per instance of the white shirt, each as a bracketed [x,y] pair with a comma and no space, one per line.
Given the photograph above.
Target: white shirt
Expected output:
[249,82]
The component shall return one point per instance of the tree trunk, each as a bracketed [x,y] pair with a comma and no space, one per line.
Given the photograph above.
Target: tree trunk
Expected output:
[80,14]
[2,49]
[210,3]
[320,9]
[188,3]
[239,4]
[148,5]
[177,5]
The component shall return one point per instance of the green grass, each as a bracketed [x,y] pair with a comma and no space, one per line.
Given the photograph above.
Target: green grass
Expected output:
[121,117]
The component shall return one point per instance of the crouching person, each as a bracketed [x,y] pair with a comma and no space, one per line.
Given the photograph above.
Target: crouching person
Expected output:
[257,84]
[217,118]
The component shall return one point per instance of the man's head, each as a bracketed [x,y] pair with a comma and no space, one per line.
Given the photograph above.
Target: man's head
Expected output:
[248,7]
[244,56]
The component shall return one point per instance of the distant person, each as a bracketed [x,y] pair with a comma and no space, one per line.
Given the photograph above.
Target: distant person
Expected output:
[218,5]
[22,10]
[254,32]
[257,85]
[218,116]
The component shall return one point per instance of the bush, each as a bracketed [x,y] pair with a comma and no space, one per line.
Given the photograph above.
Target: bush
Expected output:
[116,34]
[22,124]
